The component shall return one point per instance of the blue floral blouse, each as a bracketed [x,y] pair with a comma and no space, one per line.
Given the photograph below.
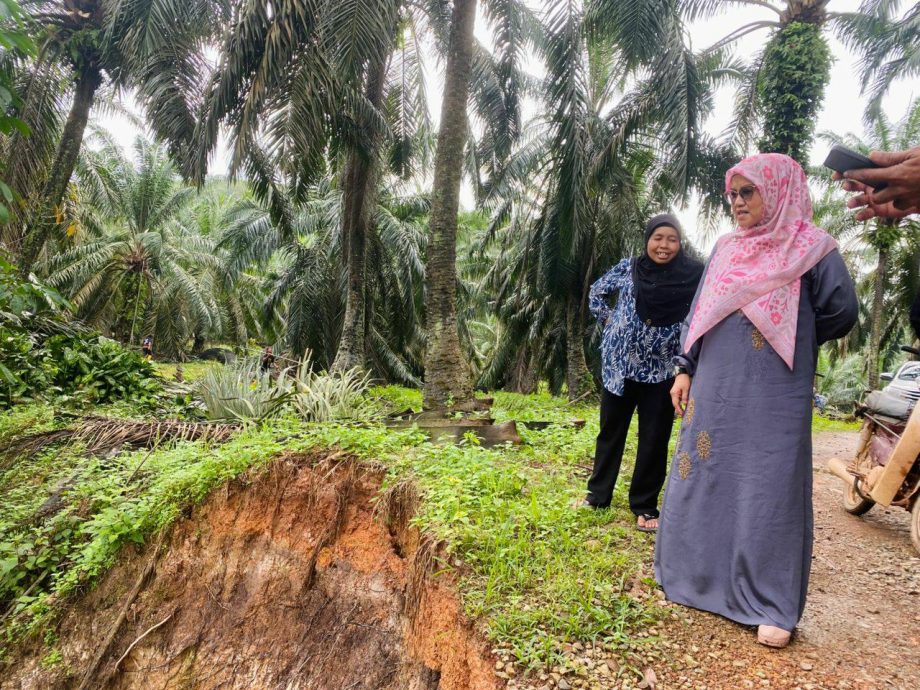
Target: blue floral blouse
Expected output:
[629,348]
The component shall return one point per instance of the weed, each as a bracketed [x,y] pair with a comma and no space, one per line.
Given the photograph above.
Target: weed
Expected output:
[52,659]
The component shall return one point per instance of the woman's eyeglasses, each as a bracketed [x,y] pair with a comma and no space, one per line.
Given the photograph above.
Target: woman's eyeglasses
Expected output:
[746,193]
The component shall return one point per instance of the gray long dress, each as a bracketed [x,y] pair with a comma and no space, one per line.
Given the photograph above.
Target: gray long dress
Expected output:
[735,536]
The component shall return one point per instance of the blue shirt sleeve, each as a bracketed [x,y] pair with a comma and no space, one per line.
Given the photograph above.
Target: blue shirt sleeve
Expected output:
[607,285]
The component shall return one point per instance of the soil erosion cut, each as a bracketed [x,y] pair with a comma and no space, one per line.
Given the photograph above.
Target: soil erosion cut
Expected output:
[290,578]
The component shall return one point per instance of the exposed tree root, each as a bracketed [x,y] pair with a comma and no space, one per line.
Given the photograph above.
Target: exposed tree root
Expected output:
[104,648]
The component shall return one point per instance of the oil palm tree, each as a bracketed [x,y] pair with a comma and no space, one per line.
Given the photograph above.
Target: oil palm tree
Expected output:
[786,79]
[888,42]
[14,43]
[306,283]
[309,78]
[139,262]
[154,47]
[591,168]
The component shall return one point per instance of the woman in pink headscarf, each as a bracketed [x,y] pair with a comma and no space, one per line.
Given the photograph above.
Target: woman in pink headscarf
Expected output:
[735,535]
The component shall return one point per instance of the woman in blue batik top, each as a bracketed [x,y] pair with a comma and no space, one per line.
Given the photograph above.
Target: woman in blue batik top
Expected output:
[641,338]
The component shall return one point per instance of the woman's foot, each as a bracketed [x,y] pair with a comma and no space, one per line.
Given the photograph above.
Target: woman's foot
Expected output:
[771,636]
[647,523]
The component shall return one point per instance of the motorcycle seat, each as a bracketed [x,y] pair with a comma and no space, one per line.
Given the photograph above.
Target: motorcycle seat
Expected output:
[884,404]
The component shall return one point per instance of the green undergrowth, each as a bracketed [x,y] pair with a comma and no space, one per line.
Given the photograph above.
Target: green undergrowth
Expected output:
[191,371]
[535,570]
[820,424]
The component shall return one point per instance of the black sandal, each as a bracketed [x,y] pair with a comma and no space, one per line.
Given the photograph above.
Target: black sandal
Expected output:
[647,517]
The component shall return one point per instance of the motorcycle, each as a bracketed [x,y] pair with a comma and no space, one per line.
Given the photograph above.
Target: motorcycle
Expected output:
[886,469]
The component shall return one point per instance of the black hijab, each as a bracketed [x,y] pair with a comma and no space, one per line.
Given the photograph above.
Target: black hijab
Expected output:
[664,291]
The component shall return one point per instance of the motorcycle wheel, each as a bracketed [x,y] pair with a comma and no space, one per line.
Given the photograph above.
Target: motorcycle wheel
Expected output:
[915,524]
[855,504]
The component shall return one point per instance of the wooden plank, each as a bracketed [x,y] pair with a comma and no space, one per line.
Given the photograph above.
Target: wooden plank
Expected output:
[489,436]
[900,462]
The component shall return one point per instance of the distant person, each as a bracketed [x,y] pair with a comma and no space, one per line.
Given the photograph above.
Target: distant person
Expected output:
[641,338]
[736,523]
[900,170]
[147,348]
[267,361]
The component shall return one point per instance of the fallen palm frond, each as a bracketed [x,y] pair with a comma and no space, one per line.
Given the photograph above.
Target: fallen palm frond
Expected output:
[101,435]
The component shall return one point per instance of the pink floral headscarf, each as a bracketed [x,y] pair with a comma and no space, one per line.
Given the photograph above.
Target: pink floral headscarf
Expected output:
[757,270]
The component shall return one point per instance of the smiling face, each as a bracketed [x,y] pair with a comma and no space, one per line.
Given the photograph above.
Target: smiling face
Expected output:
[663,244]
[747,205]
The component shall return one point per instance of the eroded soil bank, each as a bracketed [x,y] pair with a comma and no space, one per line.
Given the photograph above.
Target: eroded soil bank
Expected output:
[286,579]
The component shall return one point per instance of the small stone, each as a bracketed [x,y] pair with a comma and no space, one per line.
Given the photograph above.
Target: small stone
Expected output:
[806,666]
[563,684]
[499,665]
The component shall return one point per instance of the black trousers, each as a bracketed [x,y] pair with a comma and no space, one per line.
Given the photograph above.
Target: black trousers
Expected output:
[656,418]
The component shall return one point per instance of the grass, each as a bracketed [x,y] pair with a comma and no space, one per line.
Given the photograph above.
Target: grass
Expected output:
[821,424]
[191,371]
[67,516]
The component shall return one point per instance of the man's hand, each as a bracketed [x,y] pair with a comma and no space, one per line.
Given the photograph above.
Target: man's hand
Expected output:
[680,394]
[863,201]
[901,170]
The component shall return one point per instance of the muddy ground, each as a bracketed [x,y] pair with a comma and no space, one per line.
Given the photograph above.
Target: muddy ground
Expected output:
[860,631]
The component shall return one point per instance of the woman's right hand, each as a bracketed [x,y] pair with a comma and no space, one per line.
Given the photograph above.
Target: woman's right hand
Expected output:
[680,394]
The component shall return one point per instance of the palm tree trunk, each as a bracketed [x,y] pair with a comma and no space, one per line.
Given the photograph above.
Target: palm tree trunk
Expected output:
[878,305]
[65,160]
[577,376]
[68,150]
[447,375]
[137,307]
[360,196]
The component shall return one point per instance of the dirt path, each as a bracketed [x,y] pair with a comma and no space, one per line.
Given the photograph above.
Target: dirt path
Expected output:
[861,628]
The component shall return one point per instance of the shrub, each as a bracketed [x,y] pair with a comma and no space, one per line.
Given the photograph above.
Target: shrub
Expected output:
[239,392]
[43,355]
[325,397]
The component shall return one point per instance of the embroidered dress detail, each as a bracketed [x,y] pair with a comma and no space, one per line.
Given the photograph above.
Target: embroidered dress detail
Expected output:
[630,349]
[703,445]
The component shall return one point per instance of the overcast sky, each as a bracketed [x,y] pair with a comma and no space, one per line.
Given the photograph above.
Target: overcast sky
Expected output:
[841,110]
